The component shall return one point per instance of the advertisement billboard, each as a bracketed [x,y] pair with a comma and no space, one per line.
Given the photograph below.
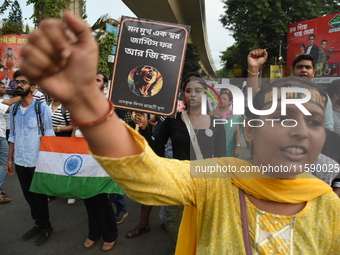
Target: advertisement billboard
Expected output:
[319,37]
[10,58]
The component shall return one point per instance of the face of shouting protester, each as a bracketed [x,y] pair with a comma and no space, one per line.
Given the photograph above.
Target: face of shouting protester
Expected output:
[23,86]
[304,69]
[148,74]
[292,147]
[193,94]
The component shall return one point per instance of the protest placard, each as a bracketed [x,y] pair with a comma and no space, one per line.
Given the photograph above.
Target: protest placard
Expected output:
[148,65]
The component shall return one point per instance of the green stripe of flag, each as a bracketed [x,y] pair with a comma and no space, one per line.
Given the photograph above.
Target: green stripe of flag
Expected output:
[72,186]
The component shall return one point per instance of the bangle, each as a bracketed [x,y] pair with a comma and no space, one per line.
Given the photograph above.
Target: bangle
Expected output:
[238,145]
[98,121]
[58,129]
[255,74]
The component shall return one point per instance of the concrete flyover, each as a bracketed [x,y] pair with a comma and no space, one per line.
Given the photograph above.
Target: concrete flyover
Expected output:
[188,12]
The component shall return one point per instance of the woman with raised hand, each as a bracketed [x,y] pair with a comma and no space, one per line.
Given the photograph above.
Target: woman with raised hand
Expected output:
[283,212]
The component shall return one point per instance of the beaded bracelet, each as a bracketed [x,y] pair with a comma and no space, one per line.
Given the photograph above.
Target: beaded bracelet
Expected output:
[253,73]
[98,121]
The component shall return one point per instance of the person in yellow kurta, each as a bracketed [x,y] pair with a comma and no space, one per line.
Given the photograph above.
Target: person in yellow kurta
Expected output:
[234,207]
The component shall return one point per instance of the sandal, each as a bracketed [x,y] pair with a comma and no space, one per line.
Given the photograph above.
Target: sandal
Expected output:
[4,199]
[137,231]
[89,243]
[108,246]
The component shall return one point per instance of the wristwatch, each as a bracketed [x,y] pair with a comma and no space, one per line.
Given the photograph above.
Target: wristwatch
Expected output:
[58,129]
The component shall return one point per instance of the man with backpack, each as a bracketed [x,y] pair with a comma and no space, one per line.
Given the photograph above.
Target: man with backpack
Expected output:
[29,119]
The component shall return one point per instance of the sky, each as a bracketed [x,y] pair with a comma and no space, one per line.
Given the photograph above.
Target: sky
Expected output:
[218,37]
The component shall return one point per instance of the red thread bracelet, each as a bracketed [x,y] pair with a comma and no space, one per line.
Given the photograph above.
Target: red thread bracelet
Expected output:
[98,121]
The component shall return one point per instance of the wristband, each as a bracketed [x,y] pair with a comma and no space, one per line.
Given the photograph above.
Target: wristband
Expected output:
[255,74]
[98,121]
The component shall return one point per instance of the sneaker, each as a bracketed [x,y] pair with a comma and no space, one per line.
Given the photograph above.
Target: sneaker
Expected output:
[30,233]
[71,201]
[120,216]
[43,236]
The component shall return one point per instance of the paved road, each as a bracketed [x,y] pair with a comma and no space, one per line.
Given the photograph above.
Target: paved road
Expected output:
[70,229]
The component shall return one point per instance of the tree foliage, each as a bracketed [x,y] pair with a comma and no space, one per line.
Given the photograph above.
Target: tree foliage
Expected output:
[52,9]
[15,15]
[14,24]
[105,49]
[105,42]
[191,62]
[27,29]
[47,9]
[83,9]
[9,28]
[4,6]
[224,73]
[102,20]
[263,23]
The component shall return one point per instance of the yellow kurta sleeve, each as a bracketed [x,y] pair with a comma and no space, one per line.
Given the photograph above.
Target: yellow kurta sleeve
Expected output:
[149,179]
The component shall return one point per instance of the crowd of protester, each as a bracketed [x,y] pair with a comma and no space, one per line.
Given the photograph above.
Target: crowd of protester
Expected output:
[251,211]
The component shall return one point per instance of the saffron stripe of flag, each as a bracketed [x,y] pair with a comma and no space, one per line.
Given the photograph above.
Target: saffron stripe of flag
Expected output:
[66,169]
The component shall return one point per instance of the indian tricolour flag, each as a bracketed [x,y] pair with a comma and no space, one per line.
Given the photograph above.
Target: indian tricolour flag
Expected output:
[66,169]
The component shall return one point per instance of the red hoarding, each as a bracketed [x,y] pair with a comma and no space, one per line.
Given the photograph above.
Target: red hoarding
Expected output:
[319,37]
[10,58]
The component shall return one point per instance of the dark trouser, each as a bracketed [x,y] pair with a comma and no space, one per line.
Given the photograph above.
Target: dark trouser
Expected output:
[118,200]
[101,218]
[38,202]
[172,220]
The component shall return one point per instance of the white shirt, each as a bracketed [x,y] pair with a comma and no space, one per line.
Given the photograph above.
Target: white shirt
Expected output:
[3,109]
